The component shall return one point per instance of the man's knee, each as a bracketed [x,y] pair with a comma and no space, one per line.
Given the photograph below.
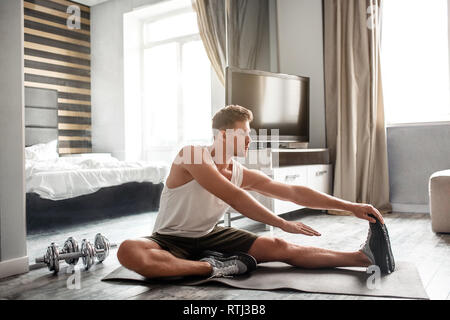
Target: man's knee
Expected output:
[125,251]
[281,243]
[266,249]
[275,243]
[133,255]
[141,257]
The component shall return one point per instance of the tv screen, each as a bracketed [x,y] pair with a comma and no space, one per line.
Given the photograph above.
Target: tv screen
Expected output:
[278,101]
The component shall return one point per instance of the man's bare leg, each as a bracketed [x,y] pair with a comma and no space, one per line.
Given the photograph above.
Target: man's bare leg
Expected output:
[147,258]
[266,249]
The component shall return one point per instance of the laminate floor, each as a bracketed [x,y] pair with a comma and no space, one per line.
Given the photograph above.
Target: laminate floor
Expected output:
[411,237]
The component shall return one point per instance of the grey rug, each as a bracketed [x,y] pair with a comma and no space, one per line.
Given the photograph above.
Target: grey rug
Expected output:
[405,282]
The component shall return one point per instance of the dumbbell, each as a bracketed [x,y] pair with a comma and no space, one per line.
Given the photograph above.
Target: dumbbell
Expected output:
[100,250]
[71,252]
[53,255]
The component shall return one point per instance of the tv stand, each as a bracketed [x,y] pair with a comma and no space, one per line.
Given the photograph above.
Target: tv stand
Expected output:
[306,167]
[293,145]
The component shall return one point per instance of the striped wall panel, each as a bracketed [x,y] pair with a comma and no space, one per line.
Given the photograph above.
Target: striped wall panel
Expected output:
[57,57]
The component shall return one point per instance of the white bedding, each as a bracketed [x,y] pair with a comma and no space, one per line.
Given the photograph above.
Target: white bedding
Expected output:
[68,177]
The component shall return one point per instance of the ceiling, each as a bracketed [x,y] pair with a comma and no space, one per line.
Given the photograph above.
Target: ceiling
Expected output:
[90,3]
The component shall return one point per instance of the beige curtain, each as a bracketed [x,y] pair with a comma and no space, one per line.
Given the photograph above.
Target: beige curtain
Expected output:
[356,133]
[248,27]
[248,31]
[211,24]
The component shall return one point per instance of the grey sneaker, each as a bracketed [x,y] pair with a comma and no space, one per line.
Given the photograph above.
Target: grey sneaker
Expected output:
[228,265]
[378,247]
[365,248]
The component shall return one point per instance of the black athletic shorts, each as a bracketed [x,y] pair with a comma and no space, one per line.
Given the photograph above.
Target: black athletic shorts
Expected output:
[221,239]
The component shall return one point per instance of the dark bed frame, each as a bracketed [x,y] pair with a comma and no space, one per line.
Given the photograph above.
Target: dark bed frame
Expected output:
[41,126]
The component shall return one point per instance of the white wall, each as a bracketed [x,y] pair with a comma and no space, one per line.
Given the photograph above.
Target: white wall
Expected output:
[415,152]
[300,39]
[13,259]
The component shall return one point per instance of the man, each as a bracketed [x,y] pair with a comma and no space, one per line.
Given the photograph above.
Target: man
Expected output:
[203,182]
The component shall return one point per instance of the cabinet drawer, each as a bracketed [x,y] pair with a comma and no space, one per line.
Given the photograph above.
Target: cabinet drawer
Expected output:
[292,175]
[320,178]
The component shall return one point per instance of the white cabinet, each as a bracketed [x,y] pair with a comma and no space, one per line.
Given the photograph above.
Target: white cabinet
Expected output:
[295,175]
[317,177]
[320,178]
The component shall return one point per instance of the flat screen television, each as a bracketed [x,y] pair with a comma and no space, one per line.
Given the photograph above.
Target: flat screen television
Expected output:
[278,101]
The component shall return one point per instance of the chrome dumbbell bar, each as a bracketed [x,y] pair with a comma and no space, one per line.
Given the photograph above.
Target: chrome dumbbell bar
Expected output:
[71,252]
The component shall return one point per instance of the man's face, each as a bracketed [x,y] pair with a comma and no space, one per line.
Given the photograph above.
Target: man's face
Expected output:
[239,139]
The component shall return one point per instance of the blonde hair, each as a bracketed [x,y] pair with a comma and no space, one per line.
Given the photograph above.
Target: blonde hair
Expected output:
[226,117]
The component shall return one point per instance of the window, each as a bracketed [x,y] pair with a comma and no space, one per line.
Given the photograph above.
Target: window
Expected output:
[415,61]
[176,77]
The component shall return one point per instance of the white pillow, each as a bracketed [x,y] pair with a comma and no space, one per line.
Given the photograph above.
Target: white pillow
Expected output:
[42,151]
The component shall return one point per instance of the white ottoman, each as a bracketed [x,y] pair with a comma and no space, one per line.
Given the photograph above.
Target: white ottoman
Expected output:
[439,190]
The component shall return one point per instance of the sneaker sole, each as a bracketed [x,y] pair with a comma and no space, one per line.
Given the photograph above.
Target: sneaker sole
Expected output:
[249,261]
[381,242]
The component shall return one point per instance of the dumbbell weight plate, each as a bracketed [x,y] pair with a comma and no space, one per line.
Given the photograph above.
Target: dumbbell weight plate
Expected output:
[102,247]
[53,258]
[88,254]
[70,246]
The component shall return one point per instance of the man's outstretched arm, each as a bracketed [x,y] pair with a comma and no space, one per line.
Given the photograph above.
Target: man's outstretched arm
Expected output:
[256,180]
[207,175]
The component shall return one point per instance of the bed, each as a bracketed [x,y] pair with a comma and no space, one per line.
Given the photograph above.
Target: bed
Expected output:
[64,190]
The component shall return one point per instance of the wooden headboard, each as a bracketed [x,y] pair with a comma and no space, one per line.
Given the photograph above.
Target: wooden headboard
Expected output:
[41,115]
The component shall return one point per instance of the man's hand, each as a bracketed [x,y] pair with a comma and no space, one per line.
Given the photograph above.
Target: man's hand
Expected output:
[298,227]
[362,211]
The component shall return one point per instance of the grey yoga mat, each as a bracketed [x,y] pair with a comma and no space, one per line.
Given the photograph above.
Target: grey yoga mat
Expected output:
[404,282]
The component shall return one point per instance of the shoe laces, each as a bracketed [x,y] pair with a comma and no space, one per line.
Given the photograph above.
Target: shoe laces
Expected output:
[229,267]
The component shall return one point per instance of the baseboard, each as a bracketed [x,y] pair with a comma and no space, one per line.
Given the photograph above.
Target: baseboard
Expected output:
[410,208]
[13,266]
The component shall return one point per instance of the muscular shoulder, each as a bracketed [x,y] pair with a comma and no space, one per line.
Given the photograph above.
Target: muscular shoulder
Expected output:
[193,155]
[198,162]
[186,157]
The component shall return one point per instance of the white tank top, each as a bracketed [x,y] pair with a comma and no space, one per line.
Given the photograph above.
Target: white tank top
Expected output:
[190,210]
